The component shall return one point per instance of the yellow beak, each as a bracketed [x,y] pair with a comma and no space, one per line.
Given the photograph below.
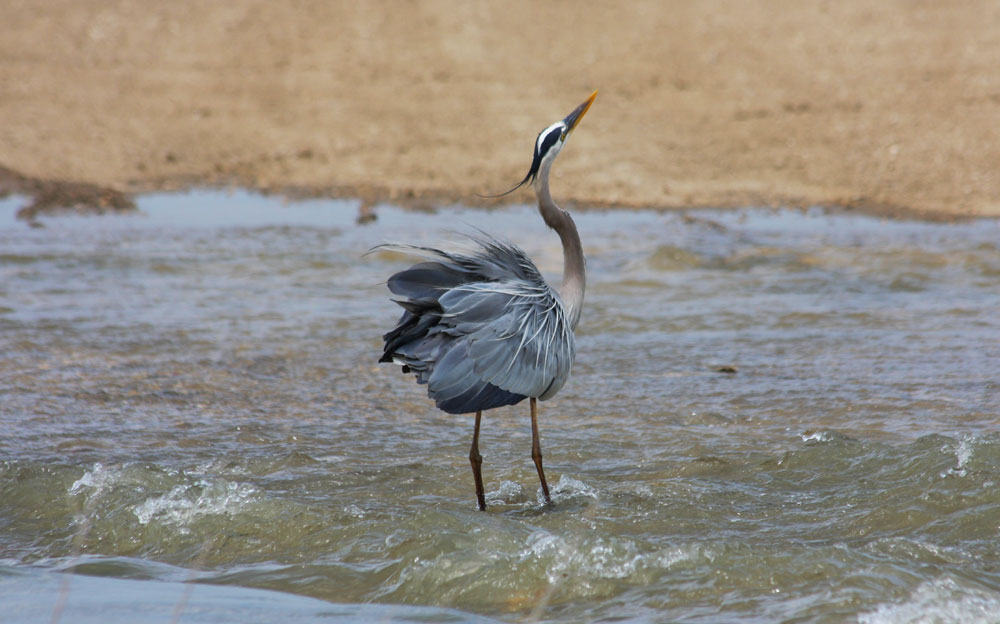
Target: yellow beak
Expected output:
[574,118]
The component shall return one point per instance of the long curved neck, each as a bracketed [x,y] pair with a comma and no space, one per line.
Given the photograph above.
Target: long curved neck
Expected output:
[574,266]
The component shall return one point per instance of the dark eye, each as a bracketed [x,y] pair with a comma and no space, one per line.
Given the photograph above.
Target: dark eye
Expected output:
[548,141]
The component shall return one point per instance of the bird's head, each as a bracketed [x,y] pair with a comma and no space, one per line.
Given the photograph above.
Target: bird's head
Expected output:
[550,141]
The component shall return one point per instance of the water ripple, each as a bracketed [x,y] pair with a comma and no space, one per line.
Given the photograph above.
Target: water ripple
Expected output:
[774,415]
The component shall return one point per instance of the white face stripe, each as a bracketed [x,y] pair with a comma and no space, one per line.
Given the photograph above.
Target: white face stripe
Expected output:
[545,133]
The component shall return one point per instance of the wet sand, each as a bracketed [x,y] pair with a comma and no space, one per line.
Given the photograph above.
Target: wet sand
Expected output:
[890,108]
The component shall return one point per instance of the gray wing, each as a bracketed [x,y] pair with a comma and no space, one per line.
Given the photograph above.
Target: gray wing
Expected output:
[482,330]
[517,334]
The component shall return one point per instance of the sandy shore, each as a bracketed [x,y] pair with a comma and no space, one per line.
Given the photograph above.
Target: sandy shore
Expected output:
[891,106]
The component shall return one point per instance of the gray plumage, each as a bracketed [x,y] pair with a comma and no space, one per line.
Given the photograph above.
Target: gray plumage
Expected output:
[482,329]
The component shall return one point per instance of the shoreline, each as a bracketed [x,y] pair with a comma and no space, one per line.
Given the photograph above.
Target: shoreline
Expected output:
[47,197]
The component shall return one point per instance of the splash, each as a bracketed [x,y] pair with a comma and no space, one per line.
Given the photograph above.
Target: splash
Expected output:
[582,559]
[940,600]
[568,488]
[97,480]
[508,493]
[963,453]
[185,503]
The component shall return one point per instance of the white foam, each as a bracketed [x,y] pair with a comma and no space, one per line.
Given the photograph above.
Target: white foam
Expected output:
[671,557]
[581,558]
[816,437]
[963,453]
[181,506]
[508,492]
[942,601]
[569,487]
[98,479]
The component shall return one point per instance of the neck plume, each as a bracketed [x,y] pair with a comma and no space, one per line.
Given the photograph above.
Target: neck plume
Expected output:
[574,280]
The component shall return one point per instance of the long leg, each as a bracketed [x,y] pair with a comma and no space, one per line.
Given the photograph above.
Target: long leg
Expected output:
[477,464]
[536,451]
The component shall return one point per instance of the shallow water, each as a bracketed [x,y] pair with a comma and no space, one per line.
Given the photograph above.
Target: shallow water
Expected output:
[189,398]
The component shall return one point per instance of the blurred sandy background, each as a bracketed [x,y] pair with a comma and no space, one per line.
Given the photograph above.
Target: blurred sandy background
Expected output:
[891,106]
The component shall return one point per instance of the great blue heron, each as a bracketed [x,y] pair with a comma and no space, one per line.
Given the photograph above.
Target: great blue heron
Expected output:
[483,329]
